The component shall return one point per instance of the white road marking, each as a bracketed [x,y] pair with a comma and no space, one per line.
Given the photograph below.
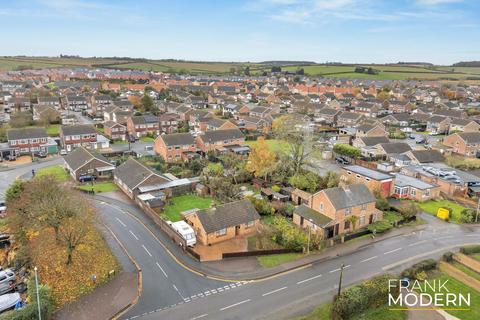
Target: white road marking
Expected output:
[312,278]
[417,243]
[441,238]
[235,304]
[368,259]
[144,248]
[160,267]
[392,251]
[133,234]
[199,317]
[472,235]
[273,291]
[176,289]
[121,222]
[338,269]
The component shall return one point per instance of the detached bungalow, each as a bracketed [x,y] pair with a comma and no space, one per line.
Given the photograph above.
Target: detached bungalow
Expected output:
[82,161]
[411,188]
[224,222]
[374,180]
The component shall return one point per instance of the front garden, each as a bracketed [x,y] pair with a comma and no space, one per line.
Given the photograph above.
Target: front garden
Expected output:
[457,212]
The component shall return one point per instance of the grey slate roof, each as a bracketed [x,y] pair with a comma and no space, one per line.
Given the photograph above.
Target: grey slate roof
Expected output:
[80,156]
[395,147]
[227,215]
[219,135]
[426,156]
[349,196]
[177,139]
[132,172]
[470,137]
[26,133]
[373,141]
[373,174]
[316,217]
[78,129]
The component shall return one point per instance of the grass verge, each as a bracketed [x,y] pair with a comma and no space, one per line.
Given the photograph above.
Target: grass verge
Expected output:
[99,187]
[57,171]
[274,260]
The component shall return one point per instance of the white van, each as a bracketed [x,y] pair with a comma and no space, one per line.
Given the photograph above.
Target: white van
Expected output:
[186,231]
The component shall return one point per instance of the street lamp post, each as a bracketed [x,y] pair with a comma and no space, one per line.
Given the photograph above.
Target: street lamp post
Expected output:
[478,208]
[38,295]
[340,280]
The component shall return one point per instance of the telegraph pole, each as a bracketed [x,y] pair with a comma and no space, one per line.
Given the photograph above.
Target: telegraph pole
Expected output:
[38,295]
[340,280]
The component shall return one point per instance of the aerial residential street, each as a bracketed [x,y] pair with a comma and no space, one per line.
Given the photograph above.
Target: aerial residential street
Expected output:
[171,290]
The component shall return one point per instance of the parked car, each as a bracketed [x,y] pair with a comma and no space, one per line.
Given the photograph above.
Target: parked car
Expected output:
[11,157]
[411,136]
[63,152]
[7,281]
[148,148]
[3,207]
[86,178]
[9,301]
[40,155]
[342,160]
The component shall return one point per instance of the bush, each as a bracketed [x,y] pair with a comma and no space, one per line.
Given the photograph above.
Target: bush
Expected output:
[408,211]
[30,311]
[382,204]
[347,150]
[448,256]
[356,299]
[288,235]
[380,226]
[415,271]
[276,188]
[262,206]
[470,250]
[467,216]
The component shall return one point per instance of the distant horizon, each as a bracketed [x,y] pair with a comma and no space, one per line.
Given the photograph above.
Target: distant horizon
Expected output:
[297,62]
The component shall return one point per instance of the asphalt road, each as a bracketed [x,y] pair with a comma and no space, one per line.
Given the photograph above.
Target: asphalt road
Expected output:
[170,291]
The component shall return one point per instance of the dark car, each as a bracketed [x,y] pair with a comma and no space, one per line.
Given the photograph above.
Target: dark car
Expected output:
[40,155]
[421,141]
[342,160]
[86,178]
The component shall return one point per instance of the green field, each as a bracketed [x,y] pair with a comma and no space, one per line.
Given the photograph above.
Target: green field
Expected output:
[57,171]
[432,207]
[393,72]
[99,187]
[177,205]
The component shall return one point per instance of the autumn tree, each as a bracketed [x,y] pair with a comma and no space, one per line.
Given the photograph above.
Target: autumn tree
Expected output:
[73,230]
[261,161]
[292,130]
[221,186]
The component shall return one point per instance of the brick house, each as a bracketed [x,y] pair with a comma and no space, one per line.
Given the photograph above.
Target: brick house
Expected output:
[176,147]
[168,122]
[464,143]
[464,125]
[80,135]
[367,130]
[220,140]
[28,140]
[224,222]
[373,179]
[82,161]
[332,207]
[348,119]
[140,126]
[114,130]
[438,124]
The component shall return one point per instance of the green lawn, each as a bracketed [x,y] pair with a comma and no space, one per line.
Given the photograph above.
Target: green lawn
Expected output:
[323,312]
[53,130]
[466,270]
[147,139]
[432,206]
[183,203]
[57,171]
[99,187]
[455,286]
[274,260]
[273,144]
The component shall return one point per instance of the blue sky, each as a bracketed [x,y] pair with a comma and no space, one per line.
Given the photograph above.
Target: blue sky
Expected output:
[380,31]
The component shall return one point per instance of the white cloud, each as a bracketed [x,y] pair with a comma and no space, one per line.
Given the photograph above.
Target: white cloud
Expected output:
[436,2]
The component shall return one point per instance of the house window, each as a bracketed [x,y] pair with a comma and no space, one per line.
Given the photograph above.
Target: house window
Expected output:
[348,211]
[364,206]
[413,192]
[321,206]
[250,224]
[427,193]
[362,220]
[221,232]
[346,225]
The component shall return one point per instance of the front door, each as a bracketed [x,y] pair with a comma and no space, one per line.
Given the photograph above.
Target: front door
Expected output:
[237,230]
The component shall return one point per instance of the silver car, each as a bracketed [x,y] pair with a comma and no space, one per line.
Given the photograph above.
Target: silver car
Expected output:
[7,281]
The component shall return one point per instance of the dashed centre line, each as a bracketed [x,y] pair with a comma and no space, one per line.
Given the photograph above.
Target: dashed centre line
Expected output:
[163,271]
[338,269]
[200,316]
[273,291]
[235,304]
[133,234]
[121,222]
[146,250]
[392,251]
[312,278]
[368,259]
[417,243]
